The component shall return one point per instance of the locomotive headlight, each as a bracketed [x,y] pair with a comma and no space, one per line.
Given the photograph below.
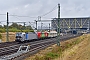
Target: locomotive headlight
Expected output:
[18,38]
[21,38]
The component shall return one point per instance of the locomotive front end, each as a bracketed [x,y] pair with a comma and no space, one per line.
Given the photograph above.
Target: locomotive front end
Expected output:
[19,37]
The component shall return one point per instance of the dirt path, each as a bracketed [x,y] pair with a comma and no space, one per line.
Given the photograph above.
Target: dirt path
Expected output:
[80,51]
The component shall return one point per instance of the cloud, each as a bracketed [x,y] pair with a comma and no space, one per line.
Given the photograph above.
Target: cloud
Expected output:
[75,8]
[35,8]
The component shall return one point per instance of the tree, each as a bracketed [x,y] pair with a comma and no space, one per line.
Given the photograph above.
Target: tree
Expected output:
[29,27]
[5,26]
[15,25]
[1,26]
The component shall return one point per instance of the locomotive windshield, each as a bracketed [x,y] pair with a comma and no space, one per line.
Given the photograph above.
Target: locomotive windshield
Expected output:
[18,35]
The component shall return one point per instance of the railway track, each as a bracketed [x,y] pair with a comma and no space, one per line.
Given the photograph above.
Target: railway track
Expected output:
[34,46]
[6,44]
[14,48]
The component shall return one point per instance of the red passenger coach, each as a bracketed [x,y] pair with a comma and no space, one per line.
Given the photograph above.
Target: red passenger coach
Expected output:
[46,34]
[39,34]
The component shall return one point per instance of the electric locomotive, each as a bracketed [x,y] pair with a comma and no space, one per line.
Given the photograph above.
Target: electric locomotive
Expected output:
[22,37]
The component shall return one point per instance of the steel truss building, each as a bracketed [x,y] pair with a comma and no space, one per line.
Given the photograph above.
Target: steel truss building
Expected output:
[71,23]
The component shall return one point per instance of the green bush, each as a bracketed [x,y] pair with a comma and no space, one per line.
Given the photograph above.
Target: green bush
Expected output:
[12,30]
[0,36]
[51,55]
[2,30]
[16,30]
[27,30]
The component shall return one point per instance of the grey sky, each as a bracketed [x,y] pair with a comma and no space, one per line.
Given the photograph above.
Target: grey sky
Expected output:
[35,8]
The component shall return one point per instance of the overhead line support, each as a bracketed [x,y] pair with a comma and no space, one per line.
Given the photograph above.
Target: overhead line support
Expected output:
[58,28]
[7,28]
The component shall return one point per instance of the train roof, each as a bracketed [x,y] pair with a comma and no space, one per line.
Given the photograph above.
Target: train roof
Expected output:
[52,32]
[20,33]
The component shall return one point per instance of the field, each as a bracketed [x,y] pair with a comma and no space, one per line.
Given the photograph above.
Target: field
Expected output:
[11,37]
